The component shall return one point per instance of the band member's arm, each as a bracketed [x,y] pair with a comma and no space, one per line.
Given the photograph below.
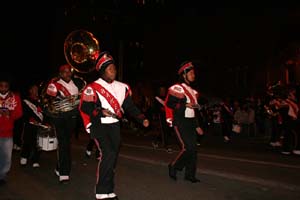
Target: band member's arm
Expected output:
[176,100]
[90,108]
[198,120]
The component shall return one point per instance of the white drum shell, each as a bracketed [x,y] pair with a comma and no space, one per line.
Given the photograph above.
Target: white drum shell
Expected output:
[46,139]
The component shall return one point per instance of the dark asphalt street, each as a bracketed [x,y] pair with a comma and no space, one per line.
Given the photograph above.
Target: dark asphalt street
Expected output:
[245,169]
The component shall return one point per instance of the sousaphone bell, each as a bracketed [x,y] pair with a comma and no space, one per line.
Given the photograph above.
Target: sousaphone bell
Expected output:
[81,49]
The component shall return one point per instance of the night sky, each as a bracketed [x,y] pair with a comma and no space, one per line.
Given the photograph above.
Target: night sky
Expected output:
[217,37]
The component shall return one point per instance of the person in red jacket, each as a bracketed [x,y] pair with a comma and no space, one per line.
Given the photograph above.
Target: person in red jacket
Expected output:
[10,111]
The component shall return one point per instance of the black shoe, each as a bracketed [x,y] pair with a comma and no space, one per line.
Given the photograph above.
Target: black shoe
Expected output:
[172,172]
[192,179]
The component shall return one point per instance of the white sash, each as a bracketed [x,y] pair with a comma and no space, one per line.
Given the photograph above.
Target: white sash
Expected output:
[34,109]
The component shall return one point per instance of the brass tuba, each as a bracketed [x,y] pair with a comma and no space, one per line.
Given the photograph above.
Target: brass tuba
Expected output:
[81,50]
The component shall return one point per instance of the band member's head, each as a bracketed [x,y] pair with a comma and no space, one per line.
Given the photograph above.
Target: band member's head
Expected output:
[33,92]
[65,72]
[4,84]
[186,72]
[106,67]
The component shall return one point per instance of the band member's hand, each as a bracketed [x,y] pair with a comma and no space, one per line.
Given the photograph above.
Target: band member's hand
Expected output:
[146,123]
[192,105]
[107,113]
[189,105]
[199,131]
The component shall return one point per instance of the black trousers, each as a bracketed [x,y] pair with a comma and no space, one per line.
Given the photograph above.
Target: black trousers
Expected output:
[165,131]
[107,139]
[297,134]
[18,131]
[291,140]
[64,127]
[29,143]
[90,145]
[187,157]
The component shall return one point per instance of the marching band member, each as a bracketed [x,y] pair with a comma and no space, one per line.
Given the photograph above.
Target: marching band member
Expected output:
[102,105]
[32,118]
[181,104]
[64,89]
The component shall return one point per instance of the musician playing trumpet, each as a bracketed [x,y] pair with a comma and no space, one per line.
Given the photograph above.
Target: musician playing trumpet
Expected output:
[65,118]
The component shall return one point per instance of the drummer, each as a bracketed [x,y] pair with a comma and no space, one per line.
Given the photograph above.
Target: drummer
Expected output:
[33,119]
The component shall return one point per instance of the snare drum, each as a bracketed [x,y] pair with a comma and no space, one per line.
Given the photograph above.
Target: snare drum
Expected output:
[46,139]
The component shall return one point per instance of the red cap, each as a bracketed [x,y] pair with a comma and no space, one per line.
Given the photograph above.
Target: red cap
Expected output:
[104,59]
[185,66]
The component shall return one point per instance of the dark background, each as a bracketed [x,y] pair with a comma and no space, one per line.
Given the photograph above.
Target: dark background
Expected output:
[232,45]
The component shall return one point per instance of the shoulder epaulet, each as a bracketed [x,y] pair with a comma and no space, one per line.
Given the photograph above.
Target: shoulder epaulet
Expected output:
[177,91]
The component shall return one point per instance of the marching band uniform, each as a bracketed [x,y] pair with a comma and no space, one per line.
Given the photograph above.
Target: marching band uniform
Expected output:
[11,110]
[185,123]
[115,98]
[32,117]
[64,122]
[289,110]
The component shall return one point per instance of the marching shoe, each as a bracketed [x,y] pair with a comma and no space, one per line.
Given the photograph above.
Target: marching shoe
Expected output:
[35,165]
[172,172]
[16,147]
[23,161]
[192,179]
[56,172]
[88,153]
[112,195]
[226,139]
[64,179]
[106,196]
[286,152]
[296,152]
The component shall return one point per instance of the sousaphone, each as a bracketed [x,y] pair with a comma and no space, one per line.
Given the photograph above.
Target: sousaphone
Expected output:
[81,49]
